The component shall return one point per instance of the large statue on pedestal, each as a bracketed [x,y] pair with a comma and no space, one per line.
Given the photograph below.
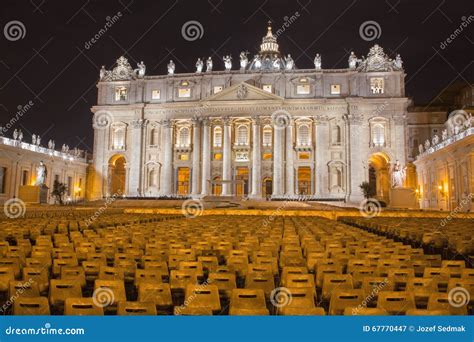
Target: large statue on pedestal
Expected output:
[398,175]
[41,173]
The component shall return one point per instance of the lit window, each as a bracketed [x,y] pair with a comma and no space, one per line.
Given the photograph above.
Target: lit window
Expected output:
[267,136]
[183,137]
[118,138]
[335,89]
[3,179]
[217,136]
[121,93]
[184,157]
[303,155]
[184,92]
[217,89]
[378,135]
[303,135]
[267,156]
[376,85]
[267,88]
[242,135]
[302,89]
[217,156]
[155,94]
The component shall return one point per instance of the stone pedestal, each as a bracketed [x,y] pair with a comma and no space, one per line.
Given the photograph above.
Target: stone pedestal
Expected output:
[33,193]
[29,193]
[403,198]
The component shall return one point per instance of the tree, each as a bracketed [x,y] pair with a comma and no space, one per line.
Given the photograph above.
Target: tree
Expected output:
[367,189]
[59,189]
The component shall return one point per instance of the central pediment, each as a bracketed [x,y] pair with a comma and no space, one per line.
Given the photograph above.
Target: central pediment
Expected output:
[243,92]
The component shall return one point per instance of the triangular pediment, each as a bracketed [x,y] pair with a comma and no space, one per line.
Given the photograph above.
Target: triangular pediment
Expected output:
[243,92]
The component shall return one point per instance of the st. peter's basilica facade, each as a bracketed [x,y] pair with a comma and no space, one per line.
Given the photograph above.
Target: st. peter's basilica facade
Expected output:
[260,127]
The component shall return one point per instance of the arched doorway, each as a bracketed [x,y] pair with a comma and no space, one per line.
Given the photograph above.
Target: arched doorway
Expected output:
[242,187]
[183,180]
[304,180]
[379,175]
[117,175]
[267,187]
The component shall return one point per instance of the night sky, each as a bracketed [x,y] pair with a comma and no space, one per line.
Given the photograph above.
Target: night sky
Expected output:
[52,67]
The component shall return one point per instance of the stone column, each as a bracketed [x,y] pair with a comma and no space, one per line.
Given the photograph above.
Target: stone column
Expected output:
[356,167]
[321,146]
[206,157]
[136,146]
[278,160]
[227,158]
[290,170]
[195,180]
[100,174]
[256,159]
[167,174]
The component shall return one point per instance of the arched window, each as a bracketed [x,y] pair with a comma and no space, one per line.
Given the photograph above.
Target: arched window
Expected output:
[378,134]
[154,137]
[336,135]
[303,135]
[242,135]
[267,136]
[183,137]
[217,136]
[118,141]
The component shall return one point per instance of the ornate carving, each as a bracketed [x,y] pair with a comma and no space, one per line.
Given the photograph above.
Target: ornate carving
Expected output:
[167,123]
[354,119]
[377,60]
[256,120]
[139,123]
[122,72]
[242,92]
[227,121]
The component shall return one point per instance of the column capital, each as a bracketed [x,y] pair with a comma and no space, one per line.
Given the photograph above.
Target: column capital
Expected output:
[138,123]
[227,121]
[206,121]
[167,123]
[196,121]
[320,119]
[256,120]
